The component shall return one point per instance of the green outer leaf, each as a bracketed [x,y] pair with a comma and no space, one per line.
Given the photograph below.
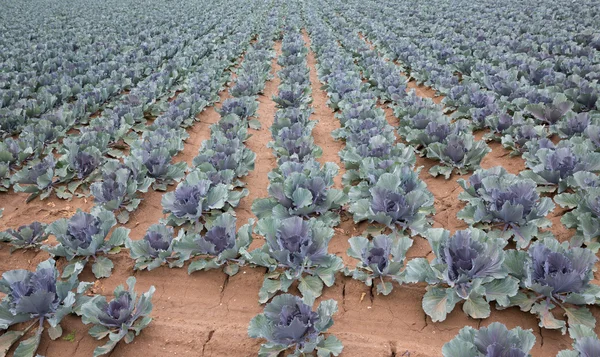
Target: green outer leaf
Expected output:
[580,316]
[523,301]
[357,245]
[579,331]
[231,269]
[271,286]
[55,332]
[501,289]
[437,303]
[114,338]
[326,310]
[418,270]
[99,332]
[476,307]
[102,267]
[8,339]
[254,124]
[263,207]
[329,346]
[202,264]
[271,350]
[327,271]
[547,319]
[385,288]
[28,347]
[459,348]
[72,268]
[259,327]
[311,288]
[129,337]
[567,353]
[119,236]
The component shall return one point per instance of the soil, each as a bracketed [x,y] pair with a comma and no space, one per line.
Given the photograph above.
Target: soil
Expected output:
[207,313]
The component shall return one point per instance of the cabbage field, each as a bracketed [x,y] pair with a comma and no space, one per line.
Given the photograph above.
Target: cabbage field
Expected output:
[300,178]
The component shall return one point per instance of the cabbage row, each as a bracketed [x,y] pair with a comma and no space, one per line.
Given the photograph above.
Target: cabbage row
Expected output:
[380,179]
[203,202]
[382,184]
[296,219]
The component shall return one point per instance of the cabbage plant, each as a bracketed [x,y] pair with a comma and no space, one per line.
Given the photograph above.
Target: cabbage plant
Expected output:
[491,341]
[220,153]
[295,143]
[504,205]
[378,260]
[285,118]
[232,127]
[161,137]
[159,166]
[288,323]
[39,296]
[123,318]
[575,124]
[5,183]
[243,107]
[550,113]
[30,236]
[437,130]
[219,247]
[362,110]
[500,124]
[293,96]
[155,248]
[553,166]
[366,124]
[521,133]
[85,237]
[39,178]
[592,133]
[459,153]
[401,203]
[248,84]
[117,192]
[467,267]
[553,274]
[370,169]
[378,148]
[78,166]
[197,197]
[585,344]
[295,250]
[339,85]
[302,189]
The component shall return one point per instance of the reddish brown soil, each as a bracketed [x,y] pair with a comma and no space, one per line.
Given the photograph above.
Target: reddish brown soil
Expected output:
[207,314]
